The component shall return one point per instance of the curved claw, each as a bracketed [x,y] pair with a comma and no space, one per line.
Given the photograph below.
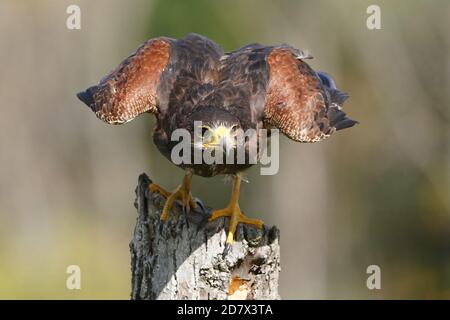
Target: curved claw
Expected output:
[199,204]
[182,192]
[226,249]
[186,201]
[236,216]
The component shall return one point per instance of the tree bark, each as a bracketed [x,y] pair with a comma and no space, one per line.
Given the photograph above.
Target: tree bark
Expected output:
[184,258]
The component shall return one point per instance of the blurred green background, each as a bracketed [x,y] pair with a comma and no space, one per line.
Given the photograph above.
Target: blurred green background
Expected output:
[375,194]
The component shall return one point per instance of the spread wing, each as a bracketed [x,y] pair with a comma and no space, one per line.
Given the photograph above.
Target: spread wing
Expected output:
[131,88]
[163,73]
[303,104]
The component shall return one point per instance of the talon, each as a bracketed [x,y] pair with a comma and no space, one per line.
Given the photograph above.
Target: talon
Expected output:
[234,212]
[226,249]
[183,193]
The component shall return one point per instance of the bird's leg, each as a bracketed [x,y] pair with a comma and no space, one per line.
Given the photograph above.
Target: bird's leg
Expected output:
[182,192]
[234,212]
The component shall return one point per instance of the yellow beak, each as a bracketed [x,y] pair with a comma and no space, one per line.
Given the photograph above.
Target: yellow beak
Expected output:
[217,137]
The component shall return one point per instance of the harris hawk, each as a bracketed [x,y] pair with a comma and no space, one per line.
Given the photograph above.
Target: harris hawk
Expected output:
[193,79]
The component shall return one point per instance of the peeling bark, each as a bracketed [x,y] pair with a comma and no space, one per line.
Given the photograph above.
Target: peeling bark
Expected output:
[183,257]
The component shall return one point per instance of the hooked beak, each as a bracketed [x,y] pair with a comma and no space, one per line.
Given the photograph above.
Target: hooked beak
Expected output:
[219,138]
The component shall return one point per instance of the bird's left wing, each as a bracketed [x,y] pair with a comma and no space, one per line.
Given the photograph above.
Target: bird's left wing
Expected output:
[131,88]
[303,104]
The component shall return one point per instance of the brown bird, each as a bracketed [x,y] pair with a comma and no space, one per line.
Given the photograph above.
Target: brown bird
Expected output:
[192,79]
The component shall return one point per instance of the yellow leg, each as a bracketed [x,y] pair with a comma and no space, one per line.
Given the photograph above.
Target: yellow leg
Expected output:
[182,192]
[234,212]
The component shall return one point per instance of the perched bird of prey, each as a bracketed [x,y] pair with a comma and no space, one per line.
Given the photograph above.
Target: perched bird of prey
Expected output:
[193,79]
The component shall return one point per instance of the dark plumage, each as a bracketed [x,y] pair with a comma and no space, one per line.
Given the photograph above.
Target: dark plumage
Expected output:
[254,87]
[192,79]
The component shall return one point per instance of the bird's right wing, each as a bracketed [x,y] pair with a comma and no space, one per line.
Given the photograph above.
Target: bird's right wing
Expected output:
[131,88]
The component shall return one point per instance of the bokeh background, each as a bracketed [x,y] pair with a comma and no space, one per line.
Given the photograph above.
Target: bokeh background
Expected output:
[375,194]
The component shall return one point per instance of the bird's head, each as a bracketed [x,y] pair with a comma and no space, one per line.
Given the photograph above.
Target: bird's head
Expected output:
[215,130]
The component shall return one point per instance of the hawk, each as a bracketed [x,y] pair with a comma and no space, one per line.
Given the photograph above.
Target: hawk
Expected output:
[192,79]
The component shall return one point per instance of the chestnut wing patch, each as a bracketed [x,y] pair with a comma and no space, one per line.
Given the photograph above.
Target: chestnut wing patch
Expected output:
[131,88]
[296,102]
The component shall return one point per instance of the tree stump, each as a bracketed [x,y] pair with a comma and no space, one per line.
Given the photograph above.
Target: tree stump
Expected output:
[184,258]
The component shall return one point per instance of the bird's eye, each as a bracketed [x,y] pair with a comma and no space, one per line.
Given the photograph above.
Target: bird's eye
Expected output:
[205,134]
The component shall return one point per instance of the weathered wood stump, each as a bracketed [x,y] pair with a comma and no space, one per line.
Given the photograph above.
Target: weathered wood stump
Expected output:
[183,257]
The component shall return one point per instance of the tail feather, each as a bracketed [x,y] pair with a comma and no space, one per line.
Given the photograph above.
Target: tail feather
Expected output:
[339,119]
[338,96]
[346,123]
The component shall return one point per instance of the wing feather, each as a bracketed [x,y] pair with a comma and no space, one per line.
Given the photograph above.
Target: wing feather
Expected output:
[298,103]
[131,88]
